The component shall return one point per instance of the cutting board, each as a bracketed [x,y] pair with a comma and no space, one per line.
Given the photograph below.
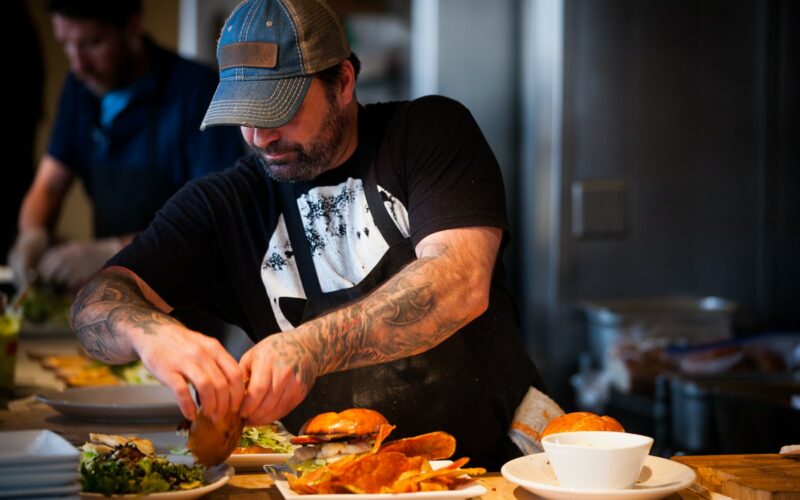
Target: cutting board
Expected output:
[748,477]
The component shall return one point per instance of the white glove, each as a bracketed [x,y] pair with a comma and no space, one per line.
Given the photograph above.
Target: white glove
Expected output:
[74,262]
[24,255]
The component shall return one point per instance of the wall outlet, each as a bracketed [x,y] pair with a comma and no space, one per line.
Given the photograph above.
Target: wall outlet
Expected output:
[598,208]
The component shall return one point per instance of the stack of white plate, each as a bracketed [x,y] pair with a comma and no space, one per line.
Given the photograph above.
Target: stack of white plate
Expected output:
[37,463]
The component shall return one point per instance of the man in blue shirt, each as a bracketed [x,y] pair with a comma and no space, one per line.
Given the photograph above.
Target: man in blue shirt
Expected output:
[127,126]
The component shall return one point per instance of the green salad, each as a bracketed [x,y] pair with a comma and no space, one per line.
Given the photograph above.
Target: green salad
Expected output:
[270,437]
[125,470]
[44,305]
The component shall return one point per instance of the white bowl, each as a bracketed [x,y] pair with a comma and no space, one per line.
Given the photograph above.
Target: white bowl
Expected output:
[596,459]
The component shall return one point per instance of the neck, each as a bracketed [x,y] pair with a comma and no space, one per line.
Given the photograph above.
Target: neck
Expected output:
[351,141]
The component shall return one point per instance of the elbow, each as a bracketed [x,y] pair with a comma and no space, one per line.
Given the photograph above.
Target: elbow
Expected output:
[77,307]
[477,296]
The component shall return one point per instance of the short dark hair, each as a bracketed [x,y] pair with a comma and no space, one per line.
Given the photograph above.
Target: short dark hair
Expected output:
[116,12]
[331,76]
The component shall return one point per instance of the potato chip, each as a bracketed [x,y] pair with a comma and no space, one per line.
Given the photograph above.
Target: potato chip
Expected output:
[401,466]
[433,446]
[374,472]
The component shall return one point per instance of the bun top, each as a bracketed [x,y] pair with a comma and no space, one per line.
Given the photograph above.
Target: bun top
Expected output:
[582,421]
[352,422]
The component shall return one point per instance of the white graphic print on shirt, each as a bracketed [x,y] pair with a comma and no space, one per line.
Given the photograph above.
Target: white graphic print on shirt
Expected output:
[344,241]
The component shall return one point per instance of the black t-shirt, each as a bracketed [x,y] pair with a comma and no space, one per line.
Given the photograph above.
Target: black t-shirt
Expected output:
[221,245]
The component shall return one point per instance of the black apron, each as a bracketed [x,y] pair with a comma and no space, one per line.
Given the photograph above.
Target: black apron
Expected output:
[466,386]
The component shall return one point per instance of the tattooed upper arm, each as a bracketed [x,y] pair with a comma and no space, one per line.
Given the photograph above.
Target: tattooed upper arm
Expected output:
[111,303]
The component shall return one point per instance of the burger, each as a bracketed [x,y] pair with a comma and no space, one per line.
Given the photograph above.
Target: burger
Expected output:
[582,421]
[330,436]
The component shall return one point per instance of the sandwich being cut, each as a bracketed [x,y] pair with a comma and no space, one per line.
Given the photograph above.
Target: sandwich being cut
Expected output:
[330,436]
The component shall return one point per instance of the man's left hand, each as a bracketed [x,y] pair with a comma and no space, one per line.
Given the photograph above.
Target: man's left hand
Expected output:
[280,371]
[73,263]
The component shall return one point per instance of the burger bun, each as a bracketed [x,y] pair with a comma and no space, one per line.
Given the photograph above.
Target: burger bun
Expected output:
[582,421]
[349,424]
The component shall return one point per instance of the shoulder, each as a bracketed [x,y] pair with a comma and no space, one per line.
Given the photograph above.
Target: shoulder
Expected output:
[74,90]
[436,103]
[182,70]
[186,67]
[243,178]
[421,108]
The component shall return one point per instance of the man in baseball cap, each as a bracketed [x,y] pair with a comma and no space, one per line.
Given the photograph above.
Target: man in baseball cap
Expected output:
[268,52]
[358,246]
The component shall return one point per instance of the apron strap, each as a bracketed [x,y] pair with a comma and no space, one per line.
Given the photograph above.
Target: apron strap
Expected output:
[297,237]
[367,162]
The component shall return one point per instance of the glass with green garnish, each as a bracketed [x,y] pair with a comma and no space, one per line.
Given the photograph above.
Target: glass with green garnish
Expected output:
[9,343]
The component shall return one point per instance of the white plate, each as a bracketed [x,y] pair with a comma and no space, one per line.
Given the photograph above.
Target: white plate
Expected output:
[34,478]
[165,442]
[254,461]
[129,403]
[39,468]
[468,491]
[36,447]
[41,491]
[659,478]
[216,476]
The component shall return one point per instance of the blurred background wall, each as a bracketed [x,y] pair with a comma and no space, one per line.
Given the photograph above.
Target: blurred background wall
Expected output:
[649,148]
[160,20]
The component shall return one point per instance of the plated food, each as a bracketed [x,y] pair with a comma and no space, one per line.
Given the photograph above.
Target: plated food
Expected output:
[113,465]
[252,448]
[79,370]
[345,453]
[264,439]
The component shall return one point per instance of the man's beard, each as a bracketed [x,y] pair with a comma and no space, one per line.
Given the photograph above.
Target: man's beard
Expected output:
[306,163]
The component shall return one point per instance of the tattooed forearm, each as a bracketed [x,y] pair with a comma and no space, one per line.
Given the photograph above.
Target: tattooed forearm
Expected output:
[412,312]
[108,305]
[411,302]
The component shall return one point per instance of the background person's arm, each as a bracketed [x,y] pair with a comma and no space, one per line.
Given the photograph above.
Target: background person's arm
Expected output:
[119,318]
[42,203]
[38,214]
[418,308]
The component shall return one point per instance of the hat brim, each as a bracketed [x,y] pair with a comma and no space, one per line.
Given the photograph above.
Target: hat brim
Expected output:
[256,103]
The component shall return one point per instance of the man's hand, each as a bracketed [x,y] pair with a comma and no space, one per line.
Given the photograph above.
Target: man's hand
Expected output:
[177,356]
[73,263]
[24,255]
[281,372]
[118,317]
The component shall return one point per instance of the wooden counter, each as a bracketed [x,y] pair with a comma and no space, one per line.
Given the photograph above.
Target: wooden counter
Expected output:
[29,414]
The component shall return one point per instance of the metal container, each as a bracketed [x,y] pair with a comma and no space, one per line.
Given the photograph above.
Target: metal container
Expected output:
[676,320]
[733,413]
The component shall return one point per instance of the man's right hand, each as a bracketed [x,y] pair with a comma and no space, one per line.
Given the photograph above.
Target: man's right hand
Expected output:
[24,255]
[119,318]
[177,356]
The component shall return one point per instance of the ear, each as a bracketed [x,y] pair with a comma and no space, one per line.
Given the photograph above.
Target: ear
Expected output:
[347,88]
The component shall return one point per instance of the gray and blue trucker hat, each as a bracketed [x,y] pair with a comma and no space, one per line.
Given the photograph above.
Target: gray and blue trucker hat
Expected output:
[267,52]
